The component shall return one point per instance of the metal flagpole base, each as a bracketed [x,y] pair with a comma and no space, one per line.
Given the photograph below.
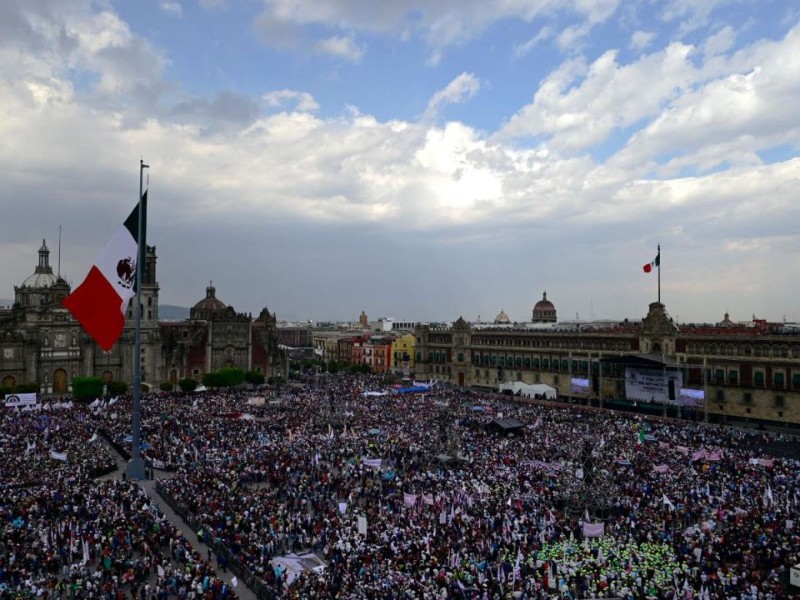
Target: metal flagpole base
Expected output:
[136,470]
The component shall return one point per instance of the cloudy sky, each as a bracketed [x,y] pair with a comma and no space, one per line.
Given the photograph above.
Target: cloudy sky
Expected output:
[415,158]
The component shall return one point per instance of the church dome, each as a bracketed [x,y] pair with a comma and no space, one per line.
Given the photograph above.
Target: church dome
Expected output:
[502,318]
[208,305]
[544,311]
[43,275]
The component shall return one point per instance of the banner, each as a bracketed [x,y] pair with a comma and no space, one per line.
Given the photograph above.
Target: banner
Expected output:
[653,385]
[62,456]
[409,499]
[593,530]
[373,462]
[20,400]
[362,525]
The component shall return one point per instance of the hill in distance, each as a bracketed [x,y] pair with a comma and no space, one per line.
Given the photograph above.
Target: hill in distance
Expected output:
[170,312]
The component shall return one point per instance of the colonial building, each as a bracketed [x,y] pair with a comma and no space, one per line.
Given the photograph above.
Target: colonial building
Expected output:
[216,336]
[746,372]
[42,344]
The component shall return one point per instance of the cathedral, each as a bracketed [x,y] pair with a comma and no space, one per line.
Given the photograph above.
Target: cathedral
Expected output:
[41,343]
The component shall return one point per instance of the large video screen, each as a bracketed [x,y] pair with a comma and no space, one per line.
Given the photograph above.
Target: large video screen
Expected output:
[692,398]
[578,386]
[658,386]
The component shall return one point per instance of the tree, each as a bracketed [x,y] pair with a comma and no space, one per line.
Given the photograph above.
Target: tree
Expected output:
[85,389]
[360,369]
[334,367]
[118,388]
[212,379]
[28,388]
[187,385]
[254,378]
[166,386]
[231,376]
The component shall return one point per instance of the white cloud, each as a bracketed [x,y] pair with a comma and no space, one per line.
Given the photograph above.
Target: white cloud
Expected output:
[441,24]
[304,102]
[173,7]
[580,104]
[719,43]
[341,47]
[641,39]
[458,91]
[523,49]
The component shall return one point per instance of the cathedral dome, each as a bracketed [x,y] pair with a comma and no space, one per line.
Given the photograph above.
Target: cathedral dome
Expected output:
[544,311]
[502,318]
[43,275]
[208,305]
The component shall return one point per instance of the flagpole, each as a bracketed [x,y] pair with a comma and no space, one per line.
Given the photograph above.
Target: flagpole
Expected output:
[136,470]
[658,265]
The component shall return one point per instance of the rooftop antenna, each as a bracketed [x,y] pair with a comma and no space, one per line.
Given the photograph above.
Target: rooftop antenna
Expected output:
[59,251]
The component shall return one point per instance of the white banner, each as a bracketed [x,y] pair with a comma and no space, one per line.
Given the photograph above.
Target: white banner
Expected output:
[373,462]
[652,385]
[19,400]
[592,530]
[362,525]
[62,456]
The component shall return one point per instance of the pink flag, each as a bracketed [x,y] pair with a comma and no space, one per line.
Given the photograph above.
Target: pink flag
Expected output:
[663,445]
[409,499]
[682,449]
[700,454]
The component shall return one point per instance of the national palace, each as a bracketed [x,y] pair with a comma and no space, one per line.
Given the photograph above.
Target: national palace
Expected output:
[748,372]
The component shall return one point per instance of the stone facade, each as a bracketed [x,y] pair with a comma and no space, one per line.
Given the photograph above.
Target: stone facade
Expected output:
[746,372]
[41,343]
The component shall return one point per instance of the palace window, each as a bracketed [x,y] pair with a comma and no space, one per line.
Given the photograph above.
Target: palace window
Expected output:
[758,378]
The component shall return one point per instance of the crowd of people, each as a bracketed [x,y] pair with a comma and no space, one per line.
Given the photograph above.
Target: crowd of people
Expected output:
[64,533]
[410,496]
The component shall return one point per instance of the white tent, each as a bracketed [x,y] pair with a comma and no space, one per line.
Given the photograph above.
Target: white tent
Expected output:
[529,390]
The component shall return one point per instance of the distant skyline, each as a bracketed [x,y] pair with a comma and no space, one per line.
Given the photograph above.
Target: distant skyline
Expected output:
[413,159]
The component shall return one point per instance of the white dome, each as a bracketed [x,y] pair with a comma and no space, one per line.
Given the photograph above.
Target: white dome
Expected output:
[40,280]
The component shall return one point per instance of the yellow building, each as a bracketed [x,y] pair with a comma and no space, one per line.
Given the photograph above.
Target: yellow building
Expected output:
[402,355]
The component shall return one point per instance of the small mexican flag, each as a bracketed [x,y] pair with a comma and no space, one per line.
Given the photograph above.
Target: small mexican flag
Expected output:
[654,263]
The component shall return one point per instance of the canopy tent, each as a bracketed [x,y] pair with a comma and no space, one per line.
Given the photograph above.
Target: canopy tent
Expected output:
[506,426]
[529,390]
